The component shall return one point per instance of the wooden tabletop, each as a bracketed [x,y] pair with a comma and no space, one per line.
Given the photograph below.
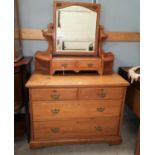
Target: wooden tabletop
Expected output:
[80,80]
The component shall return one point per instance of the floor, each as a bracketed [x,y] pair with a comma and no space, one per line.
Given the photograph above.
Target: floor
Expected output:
[129,134]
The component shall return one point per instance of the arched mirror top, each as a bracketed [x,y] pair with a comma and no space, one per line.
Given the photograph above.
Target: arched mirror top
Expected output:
[76,28]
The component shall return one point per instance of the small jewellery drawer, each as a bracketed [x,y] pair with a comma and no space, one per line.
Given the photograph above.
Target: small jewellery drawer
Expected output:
[77,128]
[63,65]
[89,63]
[45,111]
[101,93]
[53,94]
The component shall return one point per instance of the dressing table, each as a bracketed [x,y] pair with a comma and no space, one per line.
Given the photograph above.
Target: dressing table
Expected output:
[75,107]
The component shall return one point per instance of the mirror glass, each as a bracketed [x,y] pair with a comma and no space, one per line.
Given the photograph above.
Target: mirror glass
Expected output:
[75,29]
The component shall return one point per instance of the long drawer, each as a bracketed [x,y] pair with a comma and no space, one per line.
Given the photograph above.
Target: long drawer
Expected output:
[76,129]
[101,93]
[49,94]
[45,111]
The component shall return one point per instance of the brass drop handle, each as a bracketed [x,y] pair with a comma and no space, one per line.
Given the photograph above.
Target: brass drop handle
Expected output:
[64,65]
[55,130]
[55,96]
[100,109]
[102,93]
[55,111]
[90,65]
[98,128]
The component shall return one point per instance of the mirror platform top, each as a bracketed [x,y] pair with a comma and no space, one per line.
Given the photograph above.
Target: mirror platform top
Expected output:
[76,28]
[75,41]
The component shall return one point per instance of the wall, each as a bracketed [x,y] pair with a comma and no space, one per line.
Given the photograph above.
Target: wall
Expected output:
[116,16]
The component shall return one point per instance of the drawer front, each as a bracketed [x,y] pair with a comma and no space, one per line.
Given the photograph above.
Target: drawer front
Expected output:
[89,64]
[76,129]
[45,111]
[101,93]
[53,94]
[63,65]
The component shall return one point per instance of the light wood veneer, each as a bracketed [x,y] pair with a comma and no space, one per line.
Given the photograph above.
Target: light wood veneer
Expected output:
[45,111]
[76,128]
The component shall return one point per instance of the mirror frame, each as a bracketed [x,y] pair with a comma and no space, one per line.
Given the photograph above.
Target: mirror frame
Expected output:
[91,6]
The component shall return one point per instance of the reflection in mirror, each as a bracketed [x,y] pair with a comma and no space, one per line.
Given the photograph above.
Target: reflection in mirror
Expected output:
[75,29]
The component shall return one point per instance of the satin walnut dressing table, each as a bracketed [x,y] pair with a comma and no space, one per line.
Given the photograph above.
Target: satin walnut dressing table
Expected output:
[82,107]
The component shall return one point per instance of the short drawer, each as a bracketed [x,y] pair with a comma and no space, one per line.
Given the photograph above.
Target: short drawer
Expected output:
[76,129]
[89,64]
[45,111]
[101,93]
[53,94]
[63,65]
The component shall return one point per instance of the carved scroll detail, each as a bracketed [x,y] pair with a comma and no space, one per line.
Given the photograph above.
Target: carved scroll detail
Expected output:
[43,58]
[102,38]
[49,37]
[107,57]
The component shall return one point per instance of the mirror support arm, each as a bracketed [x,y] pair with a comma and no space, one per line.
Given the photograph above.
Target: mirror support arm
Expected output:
[48,34]
[107,57]
[43,58]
